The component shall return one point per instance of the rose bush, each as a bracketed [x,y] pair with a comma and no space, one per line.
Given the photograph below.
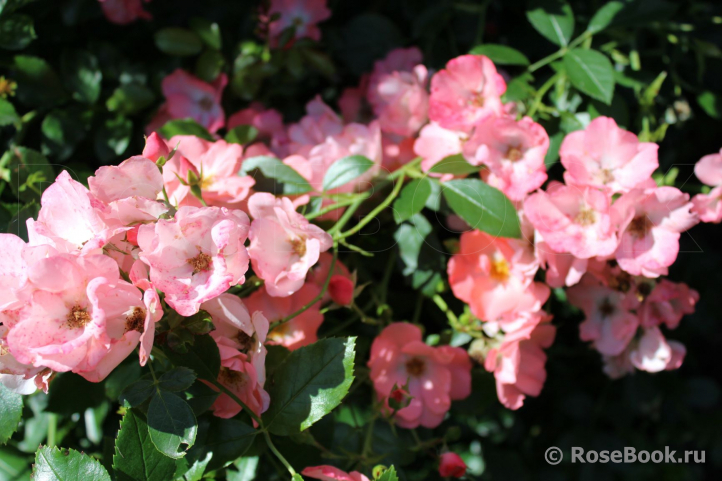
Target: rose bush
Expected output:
[300,239]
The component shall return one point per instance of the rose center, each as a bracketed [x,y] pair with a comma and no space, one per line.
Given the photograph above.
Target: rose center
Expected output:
[415,366]
[640,226]
[135,320]
[244,340]
[514,154]
[585,217]
[229,377]
[299,247]
[200,263]
[606,308]
[78,317]
[206,103]
[499,270]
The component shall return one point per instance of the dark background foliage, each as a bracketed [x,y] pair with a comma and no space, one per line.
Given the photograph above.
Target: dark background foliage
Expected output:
[86,103]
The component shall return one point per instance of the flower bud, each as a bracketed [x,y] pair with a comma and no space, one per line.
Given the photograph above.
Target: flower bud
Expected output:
[451,465]
[340,289]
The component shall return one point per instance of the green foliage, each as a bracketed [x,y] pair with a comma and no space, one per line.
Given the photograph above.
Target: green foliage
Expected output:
[412,199]
[272,168]
[482,207]
[171,422]
[309,383]
[178,41]
[501,54]
[344,170]
[453,164]
[53,464]
[242,134]
[136,458]
[11,406]
[184,127]
[553,19]
[591,72]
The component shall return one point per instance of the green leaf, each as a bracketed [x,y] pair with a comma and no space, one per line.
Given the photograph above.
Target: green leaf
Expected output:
[136,458]
[53,464]
[272,168]
[604,16]
[28,171]
[242,134]
[138,392]
[421,253]
[15,466]
[185,127]
[62,132]
[18,223]
[344,170]
[311,382]
[200,397]
[202,357]
[178,41]
[171,422]
[501,54]
[553,19]
[16,31]
[177,379]
[482,207]
[711,104]
[591,72]
[227,439]
[81,75]
[8,114]
[11,407]
[453,164]
[63,396]
[38,84]
[208,31]
[130,98]
[412,199]
[209,65]
[389,475]
[113,138]
[247,467]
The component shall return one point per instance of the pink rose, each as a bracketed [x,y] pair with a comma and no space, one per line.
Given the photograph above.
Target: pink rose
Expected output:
[302,15]
[188,96]
[651,221]
[573,219]
[284,245]
[709,171]
[667,304]
[514,153]
[330,473]
[124,12]
[299,331]
[197,255]
[215,165]
[466,92]
[435,375]
[451,465]
[607,157]
[435,142]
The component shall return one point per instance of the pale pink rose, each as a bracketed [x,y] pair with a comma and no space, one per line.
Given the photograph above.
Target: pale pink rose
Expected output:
[71,219]
[667,304]
[16,376]
[319,123]
[397,92]
[300,330]
[435,375]
[188,96]
[562,269]
[652,353]
[330,473]
[138,331]
[651,221]
[240,377]
[197,255]
[13,271]
[518,362]
[678,354]
[124,12]
[302,15]
[435,143]
[466,92]
[214,164]
[573,219]
[609,323]
[240,338]
[130,190]
[284,245]
[78,306]
[709,171]
[495,276]
[246,333]
[607,157]
[513,152]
